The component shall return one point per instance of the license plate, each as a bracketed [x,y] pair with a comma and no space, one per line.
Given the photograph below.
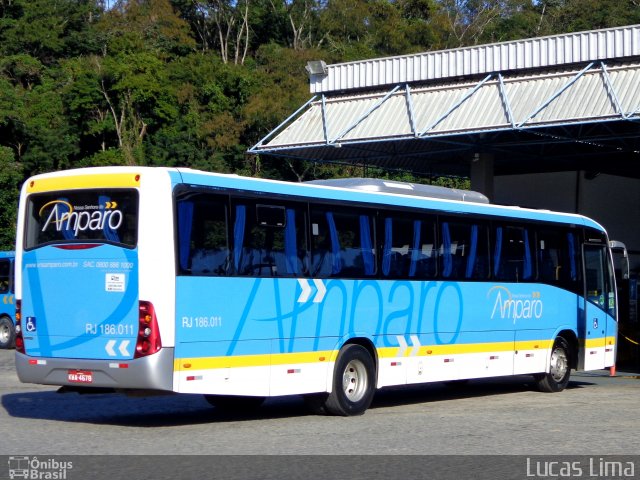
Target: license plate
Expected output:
[80,376]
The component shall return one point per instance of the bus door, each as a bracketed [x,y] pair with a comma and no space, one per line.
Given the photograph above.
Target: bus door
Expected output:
[599,310]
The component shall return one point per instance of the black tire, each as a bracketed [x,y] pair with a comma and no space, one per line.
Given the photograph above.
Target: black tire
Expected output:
[560,368]
[7,333]
[234,403]
[353,382]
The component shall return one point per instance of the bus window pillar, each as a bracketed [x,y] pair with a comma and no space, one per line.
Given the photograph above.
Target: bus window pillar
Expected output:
[481,173]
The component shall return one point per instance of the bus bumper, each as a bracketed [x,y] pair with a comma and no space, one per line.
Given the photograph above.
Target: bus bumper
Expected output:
[154,372]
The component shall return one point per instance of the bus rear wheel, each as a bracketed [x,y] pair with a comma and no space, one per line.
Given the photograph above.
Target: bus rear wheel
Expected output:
[353,382]
[557,378]
[7,333]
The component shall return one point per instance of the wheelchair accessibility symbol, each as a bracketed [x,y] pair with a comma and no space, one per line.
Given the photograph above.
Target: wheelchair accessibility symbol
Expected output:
[30,326]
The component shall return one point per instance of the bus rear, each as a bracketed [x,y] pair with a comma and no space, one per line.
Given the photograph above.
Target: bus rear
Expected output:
[85,319]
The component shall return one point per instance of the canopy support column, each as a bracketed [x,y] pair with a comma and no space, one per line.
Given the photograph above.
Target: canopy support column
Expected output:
[482,173]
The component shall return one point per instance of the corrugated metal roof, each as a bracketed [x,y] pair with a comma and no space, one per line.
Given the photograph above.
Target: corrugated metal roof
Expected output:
[498,103]
[535,53]
[554,100]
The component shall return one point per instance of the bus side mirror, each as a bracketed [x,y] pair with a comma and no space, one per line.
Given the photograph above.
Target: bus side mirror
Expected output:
[619,249]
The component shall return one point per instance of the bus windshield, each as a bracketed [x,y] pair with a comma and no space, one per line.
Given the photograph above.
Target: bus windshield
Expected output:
[106,216]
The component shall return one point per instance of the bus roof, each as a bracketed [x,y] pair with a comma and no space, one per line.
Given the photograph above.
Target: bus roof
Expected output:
[339,193]
[334,192]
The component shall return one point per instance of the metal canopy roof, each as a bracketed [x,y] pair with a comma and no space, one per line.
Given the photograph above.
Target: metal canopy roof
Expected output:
[564,116]
[534,53]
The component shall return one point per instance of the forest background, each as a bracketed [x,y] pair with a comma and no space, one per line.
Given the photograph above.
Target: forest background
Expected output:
[196,83]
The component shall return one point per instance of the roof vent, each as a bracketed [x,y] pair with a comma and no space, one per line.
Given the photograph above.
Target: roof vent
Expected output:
[404,188]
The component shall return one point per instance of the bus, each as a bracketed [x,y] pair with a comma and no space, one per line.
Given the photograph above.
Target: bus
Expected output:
[239,289]
[7,305]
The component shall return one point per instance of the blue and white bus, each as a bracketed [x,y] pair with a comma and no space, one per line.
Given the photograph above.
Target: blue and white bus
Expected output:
[240,288]
[7,304]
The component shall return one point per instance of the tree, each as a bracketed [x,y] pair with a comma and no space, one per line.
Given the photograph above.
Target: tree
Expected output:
[134,26]
[575,15]
[464,21]
[22,70]
[197,82]
[281,88]
[222,24]
[48,30]
[346,25]
[10,179]
[132,87]
[86,106]
[521,19]
[34,125]
[301,15]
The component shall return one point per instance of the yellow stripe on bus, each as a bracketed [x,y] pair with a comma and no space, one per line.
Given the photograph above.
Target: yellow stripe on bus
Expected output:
[107,180]
[462,348]
[534,344]
[598,342]
[208,363]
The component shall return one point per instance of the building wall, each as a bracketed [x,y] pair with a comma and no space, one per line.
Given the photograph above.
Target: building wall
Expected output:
[612,201]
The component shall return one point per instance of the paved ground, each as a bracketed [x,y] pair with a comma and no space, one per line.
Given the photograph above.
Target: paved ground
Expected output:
[596,415]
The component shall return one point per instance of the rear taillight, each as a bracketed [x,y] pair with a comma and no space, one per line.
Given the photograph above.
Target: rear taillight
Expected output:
[148,341]
[19,337]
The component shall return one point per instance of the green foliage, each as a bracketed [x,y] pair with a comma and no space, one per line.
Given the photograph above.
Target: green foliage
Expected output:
[196,82]
[281,87]
[10,178]
[47,29]
[576,15]
[22,69]
[145,25]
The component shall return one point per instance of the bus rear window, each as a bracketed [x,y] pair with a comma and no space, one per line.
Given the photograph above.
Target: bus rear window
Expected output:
[104,216]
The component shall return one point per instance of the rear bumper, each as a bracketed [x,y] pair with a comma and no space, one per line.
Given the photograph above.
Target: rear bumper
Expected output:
[154,372]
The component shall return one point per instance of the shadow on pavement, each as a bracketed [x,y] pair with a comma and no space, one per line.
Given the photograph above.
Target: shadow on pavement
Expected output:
[181,409]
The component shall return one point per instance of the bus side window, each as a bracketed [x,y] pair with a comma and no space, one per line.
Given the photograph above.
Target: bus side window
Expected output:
[464,250]
[408,249]
[342,244]
[513,259]
[595,276]
[5,275]
[203,247]
[269,240]
[600,281]
[558,257]
[552,267]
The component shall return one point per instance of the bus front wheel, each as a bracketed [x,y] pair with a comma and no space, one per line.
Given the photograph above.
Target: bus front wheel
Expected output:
[353,382]
[557,378]
[7,333]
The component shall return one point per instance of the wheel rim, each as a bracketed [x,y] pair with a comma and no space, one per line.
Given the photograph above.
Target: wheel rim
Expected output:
[4,333]
[559,364]
[355,380]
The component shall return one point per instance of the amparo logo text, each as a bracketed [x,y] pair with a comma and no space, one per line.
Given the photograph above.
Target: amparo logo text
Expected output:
[62,216]
[515,307]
